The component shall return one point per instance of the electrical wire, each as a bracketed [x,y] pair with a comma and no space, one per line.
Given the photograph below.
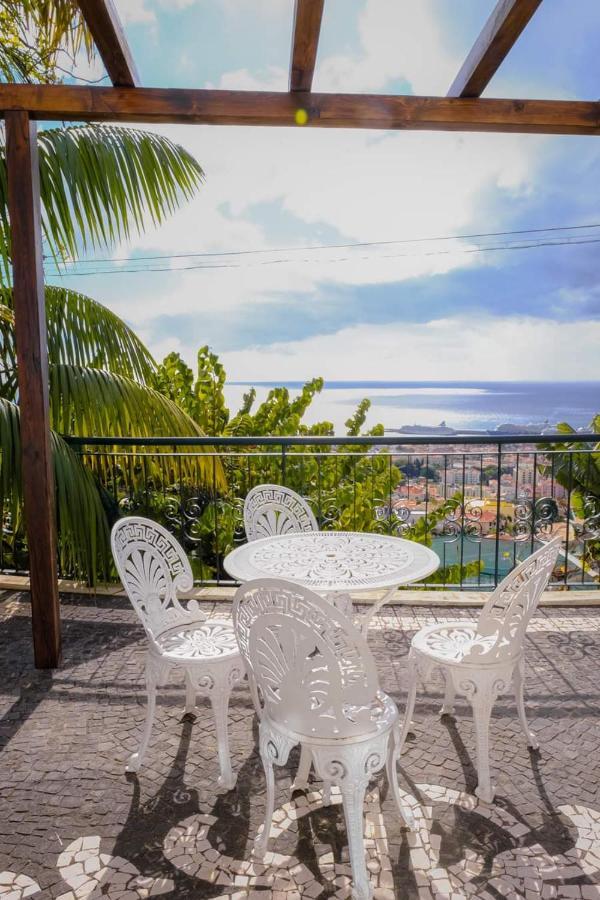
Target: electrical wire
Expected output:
[270,262]
[451,237]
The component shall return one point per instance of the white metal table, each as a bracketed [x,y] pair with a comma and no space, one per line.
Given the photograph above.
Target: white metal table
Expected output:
[335,563]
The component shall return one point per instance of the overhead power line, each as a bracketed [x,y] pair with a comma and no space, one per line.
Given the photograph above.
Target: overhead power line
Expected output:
[348,246]
[270,262]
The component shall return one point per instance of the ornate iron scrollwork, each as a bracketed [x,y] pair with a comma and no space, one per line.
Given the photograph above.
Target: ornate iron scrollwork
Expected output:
[534,520]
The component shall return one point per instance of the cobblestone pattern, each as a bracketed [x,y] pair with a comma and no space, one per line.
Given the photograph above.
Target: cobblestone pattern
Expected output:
[74,825]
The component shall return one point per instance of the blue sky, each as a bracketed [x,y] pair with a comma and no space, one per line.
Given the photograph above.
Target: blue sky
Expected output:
[418,310]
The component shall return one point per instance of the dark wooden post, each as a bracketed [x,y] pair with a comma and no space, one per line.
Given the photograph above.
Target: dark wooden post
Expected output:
[32,359]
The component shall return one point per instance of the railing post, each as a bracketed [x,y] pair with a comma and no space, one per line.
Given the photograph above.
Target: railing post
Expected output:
[568,516]
[499,479]
[32,360]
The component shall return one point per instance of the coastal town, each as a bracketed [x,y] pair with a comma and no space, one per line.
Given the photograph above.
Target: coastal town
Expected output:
[474,499]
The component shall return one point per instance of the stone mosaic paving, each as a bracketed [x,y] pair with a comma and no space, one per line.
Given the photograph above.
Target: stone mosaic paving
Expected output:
[74,825]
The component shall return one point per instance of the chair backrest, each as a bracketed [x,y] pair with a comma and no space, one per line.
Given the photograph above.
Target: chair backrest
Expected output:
[506,615]
[153,567]
[310,670]
[271,509]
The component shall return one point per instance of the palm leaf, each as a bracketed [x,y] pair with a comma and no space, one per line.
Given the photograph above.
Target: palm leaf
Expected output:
[91,402]
[81,332]
[99,183]
[61,21]
[8,358]
[84,547]
[10,459]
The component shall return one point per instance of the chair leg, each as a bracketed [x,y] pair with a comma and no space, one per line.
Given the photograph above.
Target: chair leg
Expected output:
[392,774]
[350,767]
[301,780]
[353,798]
[519,685]
[304,766]
[410,703]
[448,705]
[219,699]
[274,749]
[482,702]
[190,695]
[154,676]
[261,841]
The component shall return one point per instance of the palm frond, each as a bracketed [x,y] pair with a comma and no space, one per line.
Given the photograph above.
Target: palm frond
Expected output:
[91,402]
[7,317]
[61,21]
[84,540]
[100,183]
[8,358]
[86,401]
[81,332]
[83,546]
[10,459]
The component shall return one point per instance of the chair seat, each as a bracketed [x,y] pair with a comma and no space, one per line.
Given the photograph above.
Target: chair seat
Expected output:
[374,720]
[454,642]
[197,641]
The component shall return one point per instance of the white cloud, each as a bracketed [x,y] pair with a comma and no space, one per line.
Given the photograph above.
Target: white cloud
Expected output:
[398,41]
[144,11]
[491,348]
[363,186]
[273,78]
[134,12]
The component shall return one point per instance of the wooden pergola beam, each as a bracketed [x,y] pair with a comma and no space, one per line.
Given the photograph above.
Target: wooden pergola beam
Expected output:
[107,31]
[151,105]
[32,363]
[307,26]
[499,34]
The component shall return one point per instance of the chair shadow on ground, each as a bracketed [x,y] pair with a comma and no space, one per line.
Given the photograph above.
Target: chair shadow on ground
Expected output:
[461,828]
[148,823]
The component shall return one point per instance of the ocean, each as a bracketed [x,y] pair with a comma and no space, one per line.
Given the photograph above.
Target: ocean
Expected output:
[473,405]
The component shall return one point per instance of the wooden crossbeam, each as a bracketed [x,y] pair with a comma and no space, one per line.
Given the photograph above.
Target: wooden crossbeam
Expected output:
[499,34]
[107,31]
[102,104]
[307,26]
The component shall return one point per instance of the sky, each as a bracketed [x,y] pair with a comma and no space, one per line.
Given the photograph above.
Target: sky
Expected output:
[400,308]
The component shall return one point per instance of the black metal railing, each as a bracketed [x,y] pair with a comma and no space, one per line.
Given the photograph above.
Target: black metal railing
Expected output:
[483,503]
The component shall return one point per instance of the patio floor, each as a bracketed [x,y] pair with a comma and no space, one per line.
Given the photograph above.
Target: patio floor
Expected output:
[73,825]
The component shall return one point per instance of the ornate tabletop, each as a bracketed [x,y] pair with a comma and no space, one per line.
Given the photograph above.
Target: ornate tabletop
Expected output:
[333,561]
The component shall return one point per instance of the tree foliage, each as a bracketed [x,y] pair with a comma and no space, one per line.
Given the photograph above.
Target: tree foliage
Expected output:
[576,466]
[101,384]
[349,487]
[40,39]
[98,184]
[84,546]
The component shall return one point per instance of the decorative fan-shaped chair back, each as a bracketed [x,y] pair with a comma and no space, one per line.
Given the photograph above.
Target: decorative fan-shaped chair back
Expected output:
[311,670]
[153,568]
[506,615]
[271,509]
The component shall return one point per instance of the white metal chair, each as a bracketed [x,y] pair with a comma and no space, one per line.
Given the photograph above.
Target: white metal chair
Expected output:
[154,569]
[314,683]
[271,509]
[480,659]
